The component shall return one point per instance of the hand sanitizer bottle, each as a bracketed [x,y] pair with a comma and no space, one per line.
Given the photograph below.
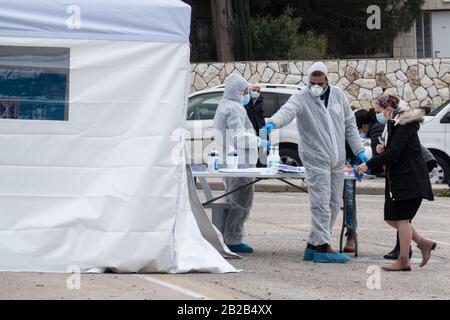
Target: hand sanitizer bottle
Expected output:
[277,159]
[232,159]
[213,161]
[270,159]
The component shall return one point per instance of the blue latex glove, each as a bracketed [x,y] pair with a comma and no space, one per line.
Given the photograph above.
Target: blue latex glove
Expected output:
[355,172]
[362,157]
[265,144]
[268,127]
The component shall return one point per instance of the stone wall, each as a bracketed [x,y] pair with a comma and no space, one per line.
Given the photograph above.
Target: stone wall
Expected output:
[420,82]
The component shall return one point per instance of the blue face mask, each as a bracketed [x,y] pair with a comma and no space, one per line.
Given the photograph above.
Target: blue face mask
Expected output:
[363,136]
[255,95]
[245,100]
[381,118]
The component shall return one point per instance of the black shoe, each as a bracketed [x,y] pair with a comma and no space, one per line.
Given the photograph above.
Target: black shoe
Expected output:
[393,255]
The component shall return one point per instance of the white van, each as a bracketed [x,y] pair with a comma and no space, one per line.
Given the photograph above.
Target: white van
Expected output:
[435,135]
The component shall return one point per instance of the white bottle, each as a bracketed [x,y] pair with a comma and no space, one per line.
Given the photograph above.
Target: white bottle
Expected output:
[213,161]
[277,158]
[232,159]
[270,159]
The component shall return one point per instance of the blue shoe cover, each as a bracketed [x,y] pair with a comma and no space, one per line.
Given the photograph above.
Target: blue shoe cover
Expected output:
[308,254]
[320,257]
[240,248]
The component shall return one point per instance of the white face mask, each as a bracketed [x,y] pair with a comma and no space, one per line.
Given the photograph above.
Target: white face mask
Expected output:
[381,118]
[316,90]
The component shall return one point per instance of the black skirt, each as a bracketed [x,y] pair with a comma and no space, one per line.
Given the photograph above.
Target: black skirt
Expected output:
[401,209]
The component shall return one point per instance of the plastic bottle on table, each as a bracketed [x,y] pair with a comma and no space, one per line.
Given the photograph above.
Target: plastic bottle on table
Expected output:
[277,158]
[213,161]
[232,159]
[270,159]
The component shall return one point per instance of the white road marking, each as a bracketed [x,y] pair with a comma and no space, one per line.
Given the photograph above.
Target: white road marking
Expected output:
[174,287]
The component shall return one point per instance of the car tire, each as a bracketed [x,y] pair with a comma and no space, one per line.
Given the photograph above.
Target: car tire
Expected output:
[441,174]
[290,157]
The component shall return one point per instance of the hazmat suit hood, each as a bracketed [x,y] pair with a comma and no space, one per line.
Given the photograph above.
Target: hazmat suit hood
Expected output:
[233,127]
[235,86]
[318,66]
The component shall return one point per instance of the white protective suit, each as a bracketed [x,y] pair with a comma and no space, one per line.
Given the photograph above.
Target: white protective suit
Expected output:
[323,132]
[235,130]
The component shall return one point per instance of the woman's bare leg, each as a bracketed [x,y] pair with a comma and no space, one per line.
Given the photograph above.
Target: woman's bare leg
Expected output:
[405,234]
[416,237]
[393,224]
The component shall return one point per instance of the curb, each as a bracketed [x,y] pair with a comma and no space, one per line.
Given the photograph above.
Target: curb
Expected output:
[275,188]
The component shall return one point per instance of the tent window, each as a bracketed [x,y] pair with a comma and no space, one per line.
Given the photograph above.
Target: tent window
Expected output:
[34,83]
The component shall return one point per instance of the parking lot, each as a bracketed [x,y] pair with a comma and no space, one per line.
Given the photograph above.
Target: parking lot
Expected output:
[276,228]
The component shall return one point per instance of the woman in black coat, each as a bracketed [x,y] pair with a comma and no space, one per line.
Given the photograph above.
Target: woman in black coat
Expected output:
[407,179]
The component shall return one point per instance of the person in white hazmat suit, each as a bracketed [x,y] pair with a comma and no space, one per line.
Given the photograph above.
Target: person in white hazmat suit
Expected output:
[235,132]
[325,122]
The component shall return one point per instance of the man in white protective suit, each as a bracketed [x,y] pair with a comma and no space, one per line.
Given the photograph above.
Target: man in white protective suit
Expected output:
[325,122]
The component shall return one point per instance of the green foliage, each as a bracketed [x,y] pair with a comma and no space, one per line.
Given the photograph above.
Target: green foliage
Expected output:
[345,23]
[242,36]
[311,40]
[444,193]
[275,38]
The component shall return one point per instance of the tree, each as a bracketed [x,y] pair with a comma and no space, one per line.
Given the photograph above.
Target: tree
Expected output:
[276,38]
[344,22]
[242,38]
[222,17]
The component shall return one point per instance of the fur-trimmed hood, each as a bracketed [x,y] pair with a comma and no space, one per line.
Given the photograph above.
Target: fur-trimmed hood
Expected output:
[410,116]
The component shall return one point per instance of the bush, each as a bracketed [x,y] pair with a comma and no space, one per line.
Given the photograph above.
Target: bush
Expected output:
[276,38]
[444,193]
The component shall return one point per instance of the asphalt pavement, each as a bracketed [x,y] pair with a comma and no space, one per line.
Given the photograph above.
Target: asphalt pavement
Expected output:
[276,228]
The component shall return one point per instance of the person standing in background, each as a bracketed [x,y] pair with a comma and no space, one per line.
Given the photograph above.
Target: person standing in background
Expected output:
[255,112]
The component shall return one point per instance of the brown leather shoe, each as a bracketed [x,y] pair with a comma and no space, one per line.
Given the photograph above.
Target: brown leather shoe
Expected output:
[350,245]
[402,264]
[426,246]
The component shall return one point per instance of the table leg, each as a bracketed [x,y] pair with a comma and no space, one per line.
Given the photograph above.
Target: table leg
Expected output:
[344,219]
[355,220]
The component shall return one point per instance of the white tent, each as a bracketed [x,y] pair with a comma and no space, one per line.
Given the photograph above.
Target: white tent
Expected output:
[92,167]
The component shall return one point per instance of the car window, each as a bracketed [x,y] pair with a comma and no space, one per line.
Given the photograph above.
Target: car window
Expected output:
[203,107]
[270,104]
[438,109]
[282,99]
